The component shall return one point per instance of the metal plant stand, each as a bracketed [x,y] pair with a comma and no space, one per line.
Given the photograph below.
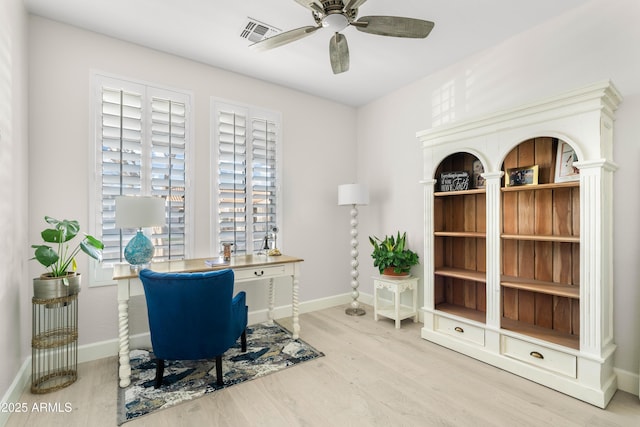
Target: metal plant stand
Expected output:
[54,343]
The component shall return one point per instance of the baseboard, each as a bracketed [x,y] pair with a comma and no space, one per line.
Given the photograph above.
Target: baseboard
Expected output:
[18,386]
[628,381]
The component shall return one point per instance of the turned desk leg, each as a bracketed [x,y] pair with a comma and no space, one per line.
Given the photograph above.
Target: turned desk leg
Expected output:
[272,300]
[295,308]
[124,372]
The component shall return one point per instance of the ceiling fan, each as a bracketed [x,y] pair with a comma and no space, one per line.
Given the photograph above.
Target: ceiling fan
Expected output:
[336,15]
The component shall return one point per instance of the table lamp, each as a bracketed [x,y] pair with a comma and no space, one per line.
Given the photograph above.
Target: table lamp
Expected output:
[354,195]
[139,212]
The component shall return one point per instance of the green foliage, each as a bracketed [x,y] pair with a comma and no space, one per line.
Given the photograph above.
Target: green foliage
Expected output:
[58,259]
[392,252]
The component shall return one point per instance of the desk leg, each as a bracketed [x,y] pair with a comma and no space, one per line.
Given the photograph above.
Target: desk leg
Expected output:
[295,308]
[272,300]
[124,371]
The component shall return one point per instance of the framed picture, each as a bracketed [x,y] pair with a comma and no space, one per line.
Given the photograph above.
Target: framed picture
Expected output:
[454,181]
[521,176]
[478,169]
[565,170]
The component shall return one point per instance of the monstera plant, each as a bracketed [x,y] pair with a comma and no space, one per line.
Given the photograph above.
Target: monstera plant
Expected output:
[59,258]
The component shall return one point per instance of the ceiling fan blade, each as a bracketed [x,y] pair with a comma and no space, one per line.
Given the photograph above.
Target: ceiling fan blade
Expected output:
[311,5]
[284,38]
[339,53]
[394,26]
[354,4]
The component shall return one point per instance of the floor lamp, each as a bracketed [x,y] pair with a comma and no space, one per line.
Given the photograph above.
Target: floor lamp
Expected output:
[354,195]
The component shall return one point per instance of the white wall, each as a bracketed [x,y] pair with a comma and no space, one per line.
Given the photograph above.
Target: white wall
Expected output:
[315,228]
[15,326]
[595,42]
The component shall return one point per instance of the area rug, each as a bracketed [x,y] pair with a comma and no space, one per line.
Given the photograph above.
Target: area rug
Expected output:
[270,348]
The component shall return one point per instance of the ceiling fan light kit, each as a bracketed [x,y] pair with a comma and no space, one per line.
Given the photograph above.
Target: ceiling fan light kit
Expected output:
[336,16]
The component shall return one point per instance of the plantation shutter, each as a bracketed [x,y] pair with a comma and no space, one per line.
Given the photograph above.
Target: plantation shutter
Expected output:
[121,162]
[168,143]
[263,174]
[232,179]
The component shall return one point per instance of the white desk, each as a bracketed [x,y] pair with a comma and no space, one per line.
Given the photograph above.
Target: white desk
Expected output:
[246,268]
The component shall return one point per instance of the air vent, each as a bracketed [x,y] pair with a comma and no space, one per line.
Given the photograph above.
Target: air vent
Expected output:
[255,30]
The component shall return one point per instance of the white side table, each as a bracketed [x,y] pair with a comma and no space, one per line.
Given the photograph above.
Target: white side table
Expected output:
[397,286]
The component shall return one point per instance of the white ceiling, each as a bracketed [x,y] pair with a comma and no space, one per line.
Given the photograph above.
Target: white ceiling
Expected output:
[209,31]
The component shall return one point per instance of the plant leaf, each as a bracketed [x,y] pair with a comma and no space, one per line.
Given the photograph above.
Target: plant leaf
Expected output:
[93,251]
[94,242]
[45,255]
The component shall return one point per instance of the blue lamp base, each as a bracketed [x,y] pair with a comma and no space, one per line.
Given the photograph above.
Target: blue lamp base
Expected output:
[139,250]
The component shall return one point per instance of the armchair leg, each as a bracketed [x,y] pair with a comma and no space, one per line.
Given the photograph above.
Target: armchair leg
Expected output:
[243,340]
[219,370]
[159,372]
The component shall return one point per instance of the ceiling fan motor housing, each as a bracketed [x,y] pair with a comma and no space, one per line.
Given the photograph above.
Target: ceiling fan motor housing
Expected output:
[336,22]
[334,9]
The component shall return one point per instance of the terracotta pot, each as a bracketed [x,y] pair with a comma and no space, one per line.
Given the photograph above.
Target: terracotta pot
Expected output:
[389,272]
[47,287]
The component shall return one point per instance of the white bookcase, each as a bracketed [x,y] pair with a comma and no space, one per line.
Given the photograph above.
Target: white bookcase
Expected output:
[520,276]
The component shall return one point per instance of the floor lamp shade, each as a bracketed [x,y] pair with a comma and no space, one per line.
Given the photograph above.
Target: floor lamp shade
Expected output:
[139,212]
[353,194]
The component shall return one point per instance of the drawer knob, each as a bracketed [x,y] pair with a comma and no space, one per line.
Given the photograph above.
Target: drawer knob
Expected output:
[536,355]
[459,329]
[258,273]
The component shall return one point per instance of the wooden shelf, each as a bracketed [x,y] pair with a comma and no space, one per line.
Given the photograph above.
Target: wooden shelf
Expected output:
[459,193]
[542,287]
[564,339]
[570,184]
[459,273]
[467,313]
[474,234]
[542,238]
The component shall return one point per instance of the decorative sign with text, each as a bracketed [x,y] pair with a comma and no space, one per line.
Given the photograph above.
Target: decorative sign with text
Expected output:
[454,181]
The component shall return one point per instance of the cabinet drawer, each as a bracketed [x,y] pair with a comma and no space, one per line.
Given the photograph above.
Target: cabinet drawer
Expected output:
[537,355]
[460,330]
[260,272]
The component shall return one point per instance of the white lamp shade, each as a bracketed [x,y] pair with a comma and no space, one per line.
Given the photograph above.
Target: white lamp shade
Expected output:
[136,212]
[353,194]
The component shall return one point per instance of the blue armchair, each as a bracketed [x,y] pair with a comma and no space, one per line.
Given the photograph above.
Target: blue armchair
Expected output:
[193,316]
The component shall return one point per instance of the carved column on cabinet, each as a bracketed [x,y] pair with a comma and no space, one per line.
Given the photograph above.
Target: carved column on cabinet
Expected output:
[492,189]
[596,182]
[429,268]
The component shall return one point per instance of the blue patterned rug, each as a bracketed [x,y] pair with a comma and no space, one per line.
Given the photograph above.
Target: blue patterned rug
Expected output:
[270,348]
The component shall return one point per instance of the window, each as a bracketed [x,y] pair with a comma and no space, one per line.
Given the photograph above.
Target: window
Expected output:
[142,136]
[246,151]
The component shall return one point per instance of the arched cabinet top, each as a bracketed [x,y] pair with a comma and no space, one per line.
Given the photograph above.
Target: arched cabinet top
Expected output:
[583,118]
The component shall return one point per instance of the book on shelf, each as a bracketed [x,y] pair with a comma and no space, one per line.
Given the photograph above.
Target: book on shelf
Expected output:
[214,262]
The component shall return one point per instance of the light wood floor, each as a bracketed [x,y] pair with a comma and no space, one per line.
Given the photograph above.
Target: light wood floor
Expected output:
[372,375]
